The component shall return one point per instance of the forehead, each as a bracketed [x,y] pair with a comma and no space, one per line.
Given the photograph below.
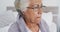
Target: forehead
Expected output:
[35,1]
[32,2]
[28,3]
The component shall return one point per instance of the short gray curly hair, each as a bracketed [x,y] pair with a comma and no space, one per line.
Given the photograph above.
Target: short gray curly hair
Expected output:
[21,4]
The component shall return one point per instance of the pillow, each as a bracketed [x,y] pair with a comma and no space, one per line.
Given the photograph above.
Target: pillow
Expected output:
[6,18]
[48,17]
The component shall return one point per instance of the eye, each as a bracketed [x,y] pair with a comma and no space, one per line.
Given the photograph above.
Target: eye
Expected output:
[36,5]
[40,13]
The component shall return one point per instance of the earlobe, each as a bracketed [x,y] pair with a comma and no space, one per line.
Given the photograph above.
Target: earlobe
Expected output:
[23,12]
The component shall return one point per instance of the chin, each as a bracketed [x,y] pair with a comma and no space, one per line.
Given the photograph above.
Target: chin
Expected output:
[37,20]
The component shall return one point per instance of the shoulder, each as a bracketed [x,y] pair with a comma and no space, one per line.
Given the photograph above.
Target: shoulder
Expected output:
[13,28]
[44,26]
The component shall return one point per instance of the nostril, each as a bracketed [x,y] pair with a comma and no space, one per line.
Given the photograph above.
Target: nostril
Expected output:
[38,12]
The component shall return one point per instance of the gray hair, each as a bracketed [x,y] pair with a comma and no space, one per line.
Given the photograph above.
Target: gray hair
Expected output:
[21,4]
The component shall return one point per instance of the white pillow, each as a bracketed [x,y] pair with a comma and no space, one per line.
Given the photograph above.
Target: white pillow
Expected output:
[48,17]
[6,18]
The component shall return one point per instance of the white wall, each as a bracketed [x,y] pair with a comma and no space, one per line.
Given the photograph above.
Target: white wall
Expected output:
[50,2]
[58,22]
[59,13]
[4,4]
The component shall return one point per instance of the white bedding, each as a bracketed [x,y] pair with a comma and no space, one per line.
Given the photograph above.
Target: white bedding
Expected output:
[48,17]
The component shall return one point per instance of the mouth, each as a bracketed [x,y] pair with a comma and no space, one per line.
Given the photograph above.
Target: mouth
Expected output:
[38,17]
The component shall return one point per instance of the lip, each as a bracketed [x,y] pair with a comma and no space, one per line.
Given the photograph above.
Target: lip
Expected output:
[37,17]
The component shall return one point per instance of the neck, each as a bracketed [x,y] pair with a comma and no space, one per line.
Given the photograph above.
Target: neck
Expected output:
[31,25]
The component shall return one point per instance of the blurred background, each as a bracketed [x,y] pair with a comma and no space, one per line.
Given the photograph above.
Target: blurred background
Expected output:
[8,13]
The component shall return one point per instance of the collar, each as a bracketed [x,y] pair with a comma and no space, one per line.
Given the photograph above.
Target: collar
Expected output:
[22,25]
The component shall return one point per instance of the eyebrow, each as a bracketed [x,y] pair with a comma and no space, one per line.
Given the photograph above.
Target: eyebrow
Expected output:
[38,6]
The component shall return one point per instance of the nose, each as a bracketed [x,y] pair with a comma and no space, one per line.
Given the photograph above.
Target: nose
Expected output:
[37,13]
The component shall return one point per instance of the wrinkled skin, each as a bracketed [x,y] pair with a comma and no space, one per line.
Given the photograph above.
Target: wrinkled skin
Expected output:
[33,15]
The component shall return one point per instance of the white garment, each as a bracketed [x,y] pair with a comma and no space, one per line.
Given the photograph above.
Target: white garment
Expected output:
[30,30]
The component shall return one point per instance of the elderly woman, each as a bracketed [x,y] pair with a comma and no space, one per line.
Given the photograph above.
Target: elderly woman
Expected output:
[29,17]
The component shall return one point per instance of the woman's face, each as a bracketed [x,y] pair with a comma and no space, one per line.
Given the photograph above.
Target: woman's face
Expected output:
[32,13]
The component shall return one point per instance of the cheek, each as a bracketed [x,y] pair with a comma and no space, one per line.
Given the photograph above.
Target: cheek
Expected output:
[31,14]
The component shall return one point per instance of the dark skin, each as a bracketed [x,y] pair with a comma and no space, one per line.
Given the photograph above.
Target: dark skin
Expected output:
[32,17]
